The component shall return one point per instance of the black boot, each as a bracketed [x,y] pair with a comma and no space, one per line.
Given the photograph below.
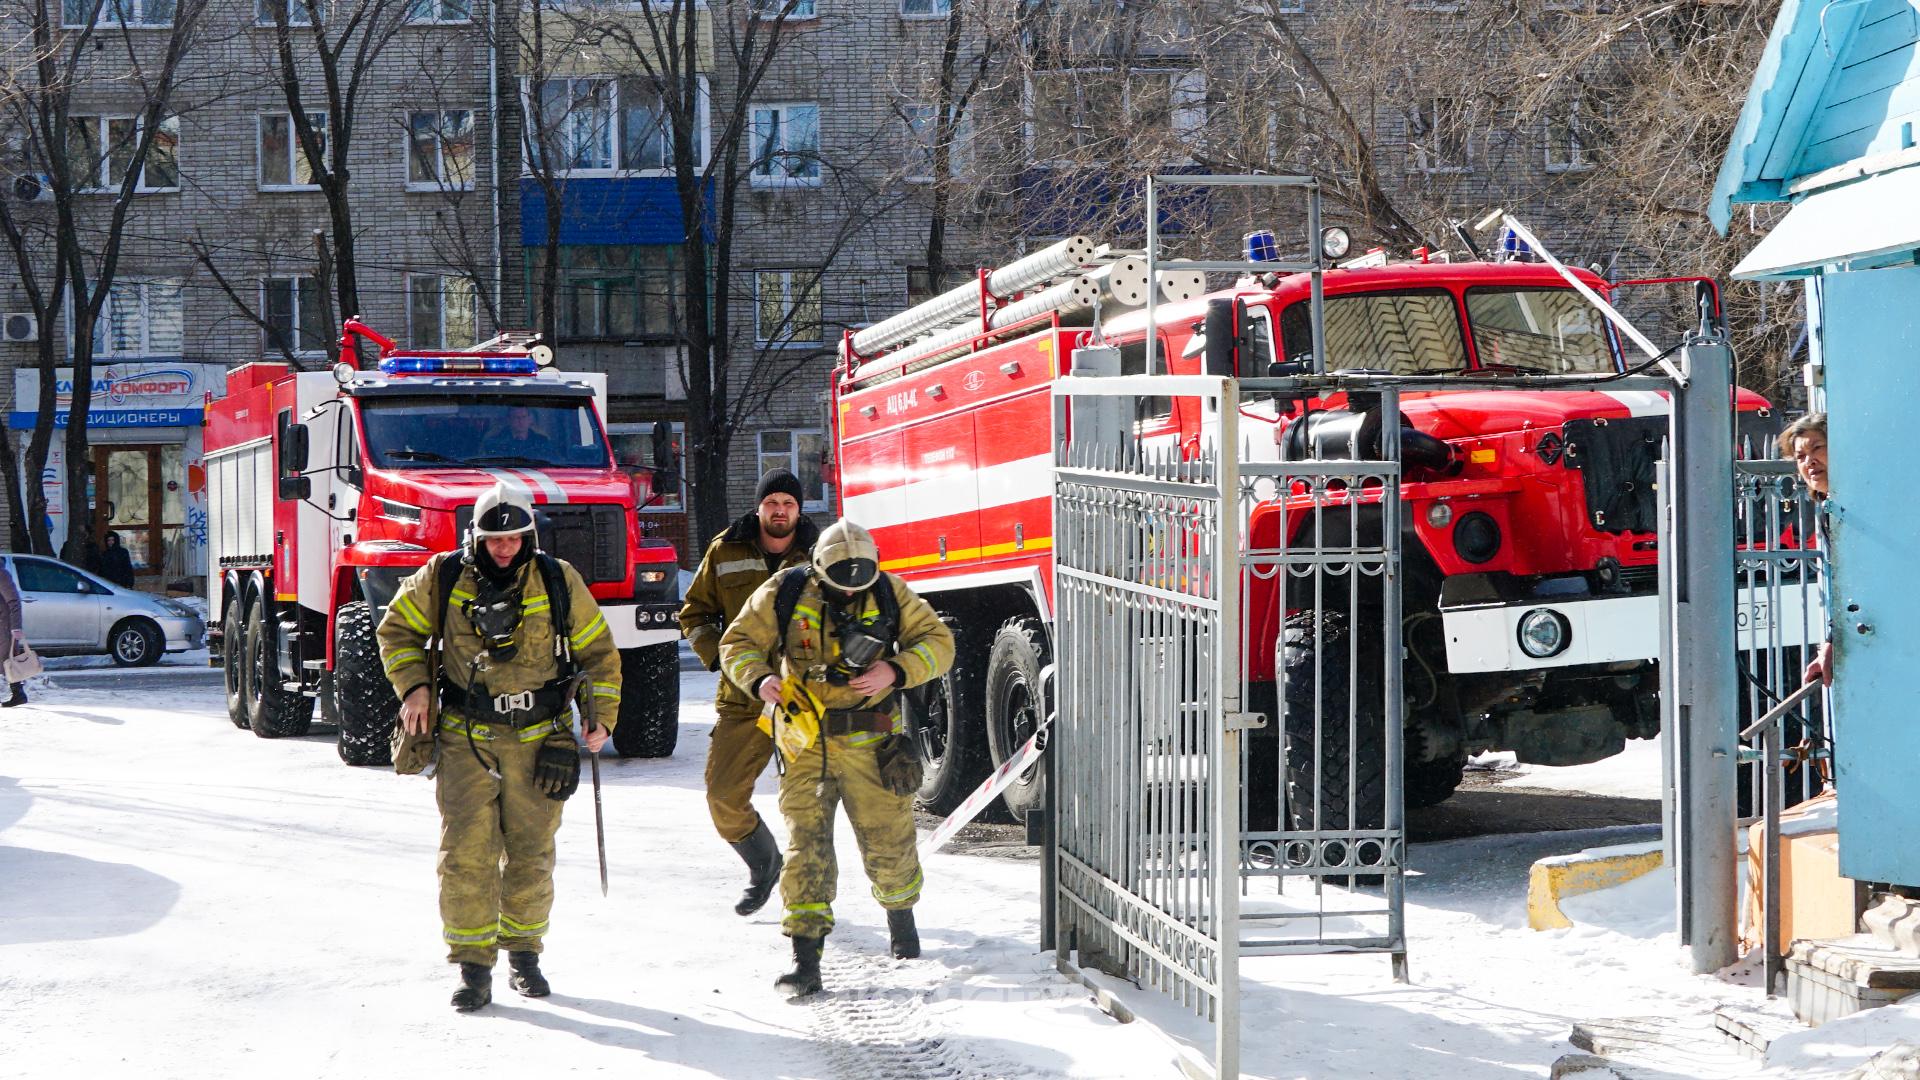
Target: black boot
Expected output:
[906,938]
[526,979]
[19,696]
[761,853]
[804,979]
[476,987]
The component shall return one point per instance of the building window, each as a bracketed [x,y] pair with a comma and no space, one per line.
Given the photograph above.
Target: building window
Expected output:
[787,307]
[923,132]
[1071,108]
[100,149]
[440,150]
[441,312]
[1569,136]
[770,9]
[427,12]
[140,318]
[800,451]
[283,165]
[74,14]
[267,12]
[925,9]
[1437,140]
[295,314]
[602,125]
[611,292]
[634,447]
[786,145]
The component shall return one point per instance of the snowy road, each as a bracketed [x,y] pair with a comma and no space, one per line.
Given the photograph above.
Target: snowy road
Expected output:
[180,899]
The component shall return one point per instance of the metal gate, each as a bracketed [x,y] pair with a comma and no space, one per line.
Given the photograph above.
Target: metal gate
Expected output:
[1172,572]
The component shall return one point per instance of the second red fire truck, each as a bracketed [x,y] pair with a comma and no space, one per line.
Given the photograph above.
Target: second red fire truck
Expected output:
[1529,530]
[326,489]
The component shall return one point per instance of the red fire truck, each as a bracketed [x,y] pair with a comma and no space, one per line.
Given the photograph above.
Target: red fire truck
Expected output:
[326,489]
[1529,531]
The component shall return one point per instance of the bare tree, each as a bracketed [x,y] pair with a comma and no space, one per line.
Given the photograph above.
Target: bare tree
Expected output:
[81,54]
[704,123]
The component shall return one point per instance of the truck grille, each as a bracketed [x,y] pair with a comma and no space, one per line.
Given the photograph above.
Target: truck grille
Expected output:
[593,537]
[1617,456]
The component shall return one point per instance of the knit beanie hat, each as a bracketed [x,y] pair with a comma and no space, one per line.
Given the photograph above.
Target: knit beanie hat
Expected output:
[782,481]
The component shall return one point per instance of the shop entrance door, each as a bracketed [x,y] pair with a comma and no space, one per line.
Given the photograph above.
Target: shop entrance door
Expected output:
[138,495]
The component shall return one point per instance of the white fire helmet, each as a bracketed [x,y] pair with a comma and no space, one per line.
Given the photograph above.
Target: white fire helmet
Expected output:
[846,557]
[503,510]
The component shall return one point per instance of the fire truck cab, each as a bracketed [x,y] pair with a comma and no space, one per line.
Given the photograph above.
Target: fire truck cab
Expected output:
[326,489]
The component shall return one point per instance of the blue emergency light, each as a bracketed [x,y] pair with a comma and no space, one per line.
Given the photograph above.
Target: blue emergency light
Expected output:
[1260,246]
[1515,248]
[458,365]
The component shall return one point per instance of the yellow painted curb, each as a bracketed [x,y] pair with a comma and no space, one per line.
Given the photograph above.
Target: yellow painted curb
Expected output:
[1554,879]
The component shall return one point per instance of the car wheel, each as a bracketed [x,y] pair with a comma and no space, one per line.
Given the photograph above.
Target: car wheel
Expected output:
[135,643]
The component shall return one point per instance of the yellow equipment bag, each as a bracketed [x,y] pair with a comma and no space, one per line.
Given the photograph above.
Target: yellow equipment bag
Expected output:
[794,724]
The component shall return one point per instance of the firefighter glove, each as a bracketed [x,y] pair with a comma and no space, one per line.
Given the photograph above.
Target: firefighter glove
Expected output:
[899,766]
[556,769]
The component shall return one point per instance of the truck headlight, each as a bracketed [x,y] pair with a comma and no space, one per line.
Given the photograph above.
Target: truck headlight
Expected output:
[1544,632]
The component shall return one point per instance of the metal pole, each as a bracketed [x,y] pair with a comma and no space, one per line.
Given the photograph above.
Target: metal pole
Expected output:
[1672,849]
[1704,684]
[1224,760]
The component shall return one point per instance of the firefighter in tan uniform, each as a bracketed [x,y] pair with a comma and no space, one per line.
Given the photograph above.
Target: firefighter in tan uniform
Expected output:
[838,644]
[774,536]
[504,742]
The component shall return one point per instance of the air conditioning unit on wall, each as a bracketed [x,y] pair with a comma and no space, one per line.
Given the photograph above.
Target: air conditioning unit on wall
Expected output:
[33,187]
[19,326]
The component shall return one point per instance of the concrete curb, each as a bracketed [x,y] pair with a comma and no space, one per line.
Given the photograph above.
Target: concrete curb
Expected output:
[1555,878]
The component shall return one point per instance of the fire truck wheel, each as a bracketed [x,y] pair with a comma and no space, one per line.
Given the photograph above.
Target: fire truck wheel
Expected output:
[649,724]
[1339,759]
[953,751]
[233,651]
[1015,708]
[363,700]
[272,712]
[136,643]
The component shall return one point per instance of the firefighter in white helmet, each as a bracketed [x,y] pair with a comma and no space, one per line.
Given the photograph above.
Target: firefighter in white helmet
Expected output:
[845,635]
[523,641]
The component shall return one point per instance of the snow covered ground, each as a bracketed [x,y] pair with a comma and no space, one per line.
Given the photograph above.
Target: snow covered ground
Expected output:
[181,899]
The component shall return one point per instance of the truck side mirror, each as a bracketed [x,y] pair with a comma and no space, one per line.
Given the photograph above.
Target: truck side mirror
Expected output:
[1224,319]
[295,488]
[293,445]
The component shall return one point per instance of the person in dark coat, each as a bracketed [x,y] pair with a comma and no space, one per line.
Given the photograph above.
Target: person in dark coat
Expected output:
[116,562]
[11,631]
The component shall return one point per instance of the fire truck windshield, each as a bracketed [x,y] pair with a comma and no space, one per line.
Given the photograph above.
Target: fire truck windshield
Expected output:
[477,430]
[1544,331]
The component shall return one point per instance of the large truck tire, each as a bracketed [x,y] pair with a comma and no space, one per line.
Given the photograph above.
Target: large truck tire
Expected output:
[233,659]
[1342,759]
[946,723]
[649,725]
[272,712]
[1016,707]
[364,704]
[1430,783]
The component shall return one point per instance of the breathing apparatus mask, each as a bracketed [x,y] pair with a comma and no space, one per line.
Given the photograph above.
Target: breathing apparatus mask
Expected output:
[495,610]
[847,563]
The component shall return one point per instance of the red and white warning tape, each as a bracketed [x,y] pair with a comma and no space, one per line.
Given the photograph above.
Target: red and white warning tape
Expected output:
[987,792]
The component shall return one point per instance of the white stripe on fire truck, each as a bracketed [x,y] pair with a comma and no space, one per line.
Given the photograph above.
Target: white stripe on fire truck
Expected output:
[1004,484]
[1640,402]
[554,492]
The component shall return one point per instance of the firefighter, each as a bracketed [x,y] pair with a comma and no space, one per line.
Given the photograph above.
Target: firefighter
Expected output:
[766,540]
[853,638]
[523,640]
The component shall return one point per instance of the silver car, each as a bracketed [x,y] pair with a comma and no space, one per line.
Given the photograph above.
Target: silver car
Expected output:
[67,611]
